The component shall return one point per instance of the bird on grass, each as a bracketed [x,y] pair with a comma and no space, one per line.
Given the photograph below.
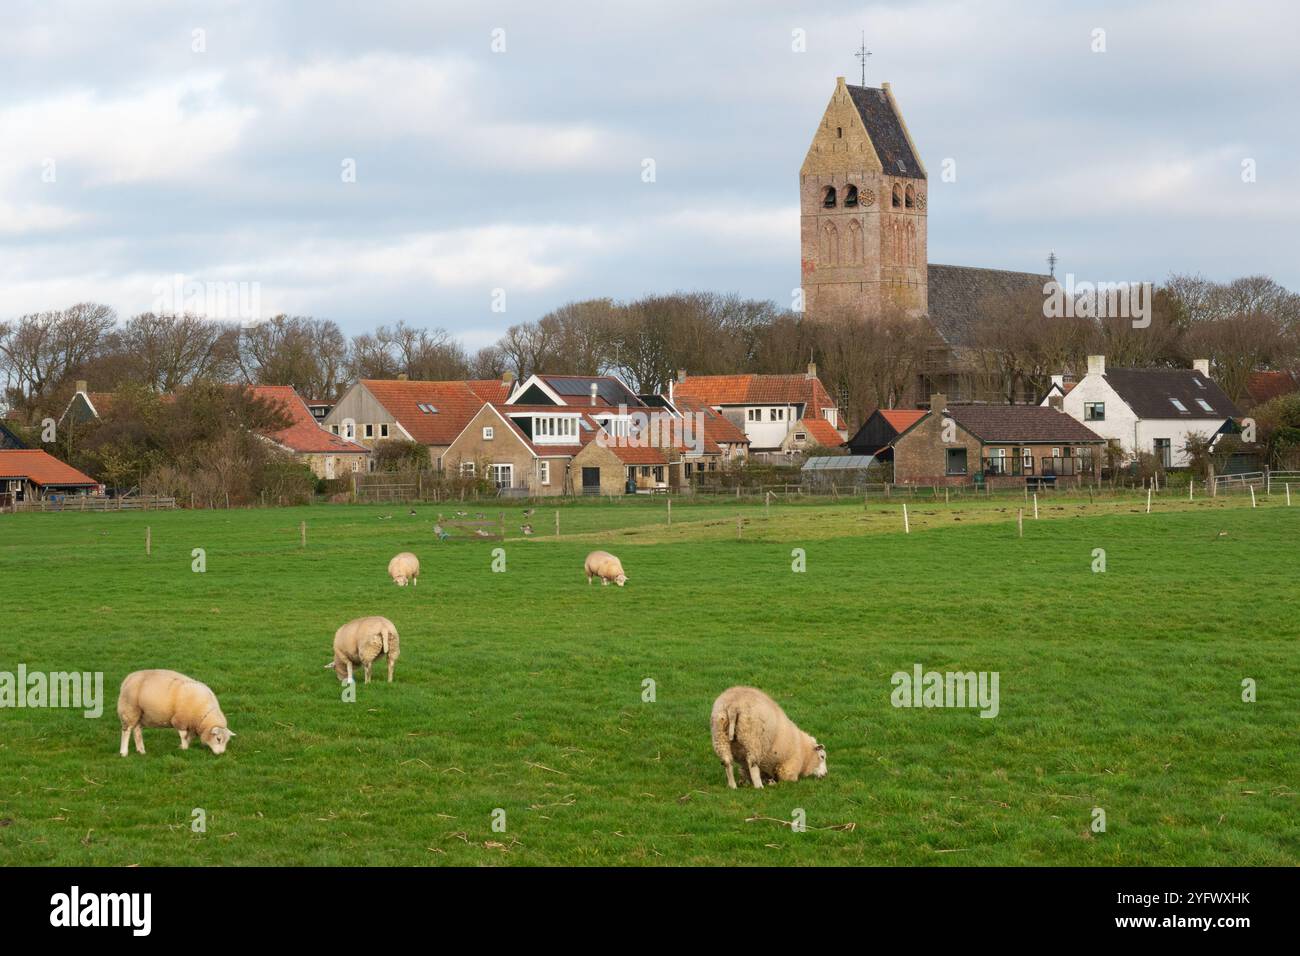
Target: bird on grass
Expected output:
[528,512]
[527,529]
[481,533]
[411,512]
[460,514]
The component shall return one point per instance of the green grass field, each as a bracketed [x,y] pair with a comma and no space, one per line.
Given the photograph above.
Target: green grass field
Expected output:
[523,690]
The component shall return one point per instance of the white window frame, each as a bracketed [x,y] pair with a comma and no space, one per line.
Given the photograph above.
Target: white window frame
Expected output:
[467,469]
[776,414]
[488,433]
[754,415]
[544,472]
[495,471]
[383,430]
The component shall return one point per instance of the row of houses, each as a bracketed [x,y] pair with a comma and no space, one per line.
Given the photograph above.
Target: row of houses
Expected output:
[571,434]
[1136,411]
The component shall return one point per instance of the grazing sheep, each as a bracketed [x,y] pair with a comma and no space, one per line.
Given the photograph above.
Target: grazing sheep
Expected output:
[360,642]
[603,565]
[750,728]
[158,698]
[404,567]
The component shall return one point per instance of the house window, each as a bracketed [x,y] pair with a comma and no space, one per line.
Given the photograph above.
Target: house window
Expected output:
[334,429]
[956,461]
[1178,405]
[503,475]
[800,436]
[754,415]
[349,430]
[776,414]
[1163,451]
[370,430]
[487,433]
[544,472]
[370,464]
[1204,405]
[1094,411]
[383,430]
[467,469]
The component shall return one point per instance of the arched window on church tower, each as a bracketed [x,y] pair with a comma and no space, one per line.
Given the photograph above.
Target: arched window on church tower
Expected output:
[830,245]
[910,197]
[855,242]
[898,196]
[850,196]
[828,197]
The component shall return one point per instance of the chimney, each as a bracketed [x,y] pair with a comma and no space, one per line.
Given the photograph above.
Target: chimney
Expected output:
[594,388]
[812,370]
[938,403]
[1059,380]
[83,385]
[1202,366]
[681,375]
[507,378]
[1096,365]
[1055,401]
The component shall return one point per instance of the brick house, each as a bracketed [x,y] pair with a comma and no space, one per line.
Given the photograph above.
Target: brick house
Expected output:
[995,444]
[328,455]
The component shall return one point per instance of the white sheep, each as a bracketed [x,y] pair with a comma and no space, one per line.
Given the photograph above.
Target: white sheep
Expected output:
[751,729]
[160,698]
[603,565]
[404,567]
[360,642]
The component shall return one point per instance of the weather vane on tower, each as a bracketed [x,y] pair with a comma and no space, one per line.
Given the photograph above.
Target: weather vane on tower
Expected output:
[862,55]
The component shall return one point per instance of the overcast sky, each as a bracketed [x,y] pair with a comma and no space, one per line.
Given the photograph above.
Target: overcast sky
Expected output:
[522,170]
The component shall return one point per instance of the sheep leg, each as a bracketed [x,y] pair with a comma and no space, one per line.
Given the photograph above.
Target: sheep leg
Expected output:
[185,740]
[755,776]
[349,680]
[366,667]
[126,739]
[139,739]
[731,774]
[391,664]
[604,582]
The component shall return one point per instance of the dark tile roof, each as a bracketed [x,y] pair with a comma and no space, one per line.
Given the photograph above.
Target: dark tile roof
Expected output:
[1020,423]
[1148,392]
[956,294]
[885,127]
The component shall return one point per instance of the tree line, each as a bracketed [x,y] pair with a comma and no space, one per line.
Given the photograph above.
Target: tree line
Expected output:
[1241,326]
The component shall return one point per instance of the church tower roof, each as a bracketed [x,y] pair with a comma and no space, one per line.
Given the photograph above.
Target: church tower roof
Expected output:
[884,125]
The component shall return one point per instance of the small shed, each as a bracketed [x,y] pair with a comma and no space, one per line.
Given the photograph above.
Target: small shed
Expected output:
[838,471]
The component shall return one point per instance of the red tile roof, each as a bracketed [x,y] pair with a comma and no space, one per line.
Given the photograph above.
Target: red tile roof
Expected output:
[304,434]
[40,468]
[718,429]
[1265,386]
[822,432]
[456,404]
[901,419]
[757,390]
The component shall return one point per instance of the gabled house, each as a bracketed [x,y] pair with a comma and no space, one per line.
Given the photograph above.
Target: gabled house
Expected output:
[1151,410]
[877,434]
[525,449]
[780,414]
[86,405]
[430,413]
[328,455]
[29,473]
[996,444]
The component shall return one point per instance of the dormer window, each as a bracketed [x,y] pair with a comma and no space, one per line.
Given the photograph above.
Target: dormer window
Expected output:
[828,198]
[850,197]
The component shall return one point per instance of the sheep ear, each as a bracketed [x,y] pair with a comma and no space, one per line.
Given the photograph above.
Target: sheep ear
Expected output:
[231,732]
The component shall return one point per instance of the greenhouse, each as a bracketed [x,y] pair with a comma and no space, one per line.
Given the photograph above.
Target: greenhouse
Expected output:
[840,472]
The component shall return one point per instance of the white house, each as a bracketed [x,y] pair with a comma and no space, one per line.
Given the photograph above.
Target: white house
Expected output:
[1153,410]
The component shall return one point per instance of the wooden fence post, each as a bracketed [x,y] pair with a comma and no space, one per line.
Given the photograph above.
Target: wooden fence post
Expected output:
[1035,506]
[148,541]
[670,512]
[1020,521]
[907,527]
[1252,496]
[557,523]
[1148,499]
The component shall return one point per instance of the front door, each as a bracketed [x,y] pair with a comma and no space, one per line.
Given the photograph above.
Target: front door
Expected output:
[503,475]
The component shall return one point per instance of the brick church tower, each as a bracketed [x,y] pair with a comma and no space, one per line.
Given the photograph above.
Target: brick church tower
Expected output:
[862,198]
